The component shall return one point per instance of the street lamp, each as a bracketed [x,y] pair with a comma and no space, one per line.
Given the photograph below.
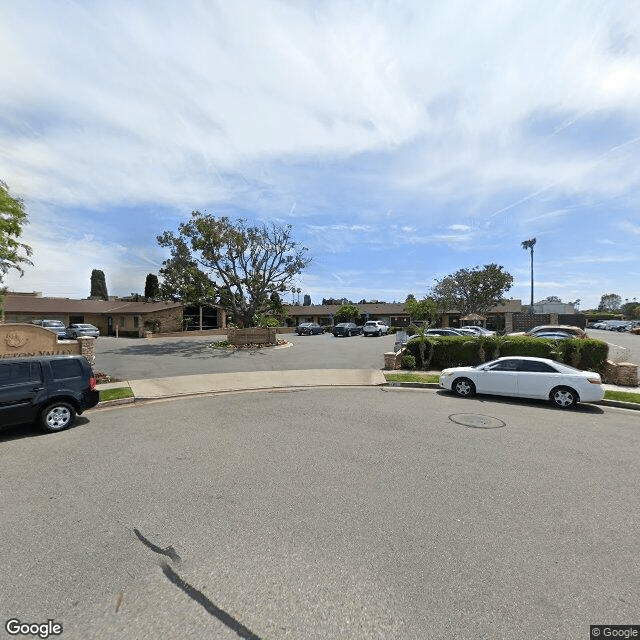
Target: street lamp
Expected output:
[529,244]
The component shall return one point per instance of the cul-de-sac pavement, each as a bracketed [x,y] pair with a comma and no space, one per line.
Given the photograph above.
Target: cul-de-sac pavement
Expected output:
[321,513]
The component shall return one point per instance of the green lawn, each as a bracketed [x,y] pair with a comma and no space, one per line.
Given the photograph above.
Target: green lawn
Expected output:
[115,394]
[623,396]
[410,377]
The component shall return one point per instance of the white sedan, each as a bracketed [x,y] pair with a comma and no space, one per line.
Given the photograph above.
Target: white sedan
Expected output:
[525,378]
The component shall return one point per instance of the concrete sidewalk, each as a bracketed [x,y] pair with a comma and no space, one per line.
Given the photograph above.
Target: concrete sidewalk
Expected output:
[248,381]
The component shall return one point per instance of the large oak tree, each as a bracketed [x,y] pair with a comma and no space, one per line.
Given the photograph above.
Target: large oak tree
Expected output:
[237,265]
[473,290]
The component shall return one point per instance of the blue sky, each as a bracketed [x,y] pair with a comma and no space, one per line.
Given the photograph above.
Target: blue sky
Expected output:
[402,140]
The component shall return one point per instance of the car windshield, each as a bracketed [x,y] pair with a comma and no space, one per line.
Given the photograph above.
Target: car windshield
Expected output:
[53,323]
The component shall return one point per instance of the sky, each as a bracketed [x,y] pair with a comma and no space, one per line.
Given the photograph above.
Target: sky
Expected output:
[402,140]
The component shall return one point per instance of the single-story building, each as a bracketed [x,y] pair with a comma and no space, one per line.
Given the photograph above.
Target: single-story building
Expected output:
[392,314]
[395,314]
[128,318]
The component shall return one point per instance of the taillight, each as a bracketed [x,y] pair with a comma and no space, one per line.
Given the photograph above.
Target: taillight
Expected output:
[594,380]
[92,384]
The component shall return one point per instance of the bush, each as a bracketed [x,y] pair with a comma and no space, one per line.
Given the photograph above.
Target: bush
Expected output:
[408,361]
[392,330]
[451,351]
[264,320]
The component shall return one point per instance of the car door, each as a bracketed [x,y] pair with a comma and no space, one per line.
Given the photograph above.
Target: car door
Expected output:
[536,379]
[498,379]
[19,384]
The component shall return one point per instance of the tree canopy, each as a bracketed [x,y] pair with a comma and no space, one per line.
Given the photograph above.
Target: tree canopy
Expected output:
[13,253]
[98,285]
[473,290]
[425,309]
[151,286]
[347,313]
[232,263]
[610,302]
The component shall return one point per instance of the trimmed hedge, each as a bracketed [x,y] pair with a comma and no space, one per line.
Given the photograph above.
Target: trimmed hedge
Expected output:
[449,351]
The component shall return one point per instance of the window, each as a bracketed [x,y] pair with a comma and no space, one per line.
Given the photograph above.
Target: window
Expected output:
[136,322]
[66,369]
[532,366]
[19,372]
[506,365]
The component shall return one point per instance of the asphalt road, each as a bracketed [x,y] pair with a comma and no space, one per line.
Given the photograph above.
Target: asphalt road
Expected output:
[324,514]
[134,359]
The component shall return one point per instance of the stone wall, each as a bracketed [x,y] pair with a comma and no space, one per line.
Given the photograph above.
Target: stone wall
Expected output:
[29,340]
[393,360]
[624,374]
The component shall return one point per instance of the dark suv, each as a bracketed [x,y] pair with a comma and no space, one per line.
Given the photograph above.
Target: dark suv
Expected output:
[51,390]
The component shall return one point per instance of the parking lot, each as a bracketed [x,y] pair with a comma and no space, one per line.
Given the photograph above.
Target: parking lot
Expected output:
[131,359]
[134,359]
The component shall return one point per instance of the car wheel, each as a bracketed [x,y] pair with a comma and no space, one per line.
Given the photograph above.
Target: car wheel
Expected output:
[564,397]
[463,387]
[57,416]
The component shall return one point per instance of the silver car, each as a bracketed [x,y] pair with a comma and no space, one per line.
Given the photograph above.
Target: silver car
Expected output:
[85,330]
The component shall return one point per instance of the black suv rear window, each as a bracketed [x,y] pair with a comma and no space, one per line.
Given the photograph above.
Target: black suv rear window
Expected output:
[17,372]
[66,369]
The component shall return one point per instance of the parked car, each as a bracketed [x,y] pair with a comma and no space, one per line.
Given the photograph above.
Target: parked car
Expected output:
[525,377]
[309,328]
[375,328]
[481,331]
[576,332]
[347,329]
[442,332]
[51,390]
[76,330]
[553,335]
[57,326]
[467,332]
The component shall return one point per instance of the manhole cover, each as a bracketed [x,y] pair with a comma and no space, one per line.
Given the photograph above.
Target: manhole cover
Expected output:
[476,421]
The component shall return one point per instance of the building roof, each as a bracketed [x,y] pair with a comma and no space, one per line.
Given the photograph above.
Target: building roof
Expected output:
[45,306]
[389,308]
[326,309]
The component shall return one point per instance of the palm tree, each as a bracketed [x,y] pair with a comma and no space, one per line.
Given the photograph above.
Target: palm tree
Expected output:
[528,244]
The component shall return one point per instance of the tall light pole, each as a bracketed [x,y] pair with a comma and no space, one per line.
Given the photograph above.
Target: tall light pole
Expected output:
[528,244]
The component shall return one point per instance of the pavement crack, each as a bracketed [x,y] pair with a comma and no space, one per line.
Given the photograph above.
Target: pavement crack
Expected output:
[170,552]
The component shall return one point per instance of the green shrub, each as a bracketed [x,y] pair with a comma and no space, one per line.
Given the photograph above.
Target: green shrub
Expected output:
[449,351]
[264,320]
[412,330]
[408,361]
[392,330]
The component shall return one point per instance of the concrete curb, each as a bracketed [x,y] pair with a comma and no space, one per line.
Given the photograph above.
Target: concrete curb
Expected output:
[116,402]
[619,404]
[635,406]
[414,385]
